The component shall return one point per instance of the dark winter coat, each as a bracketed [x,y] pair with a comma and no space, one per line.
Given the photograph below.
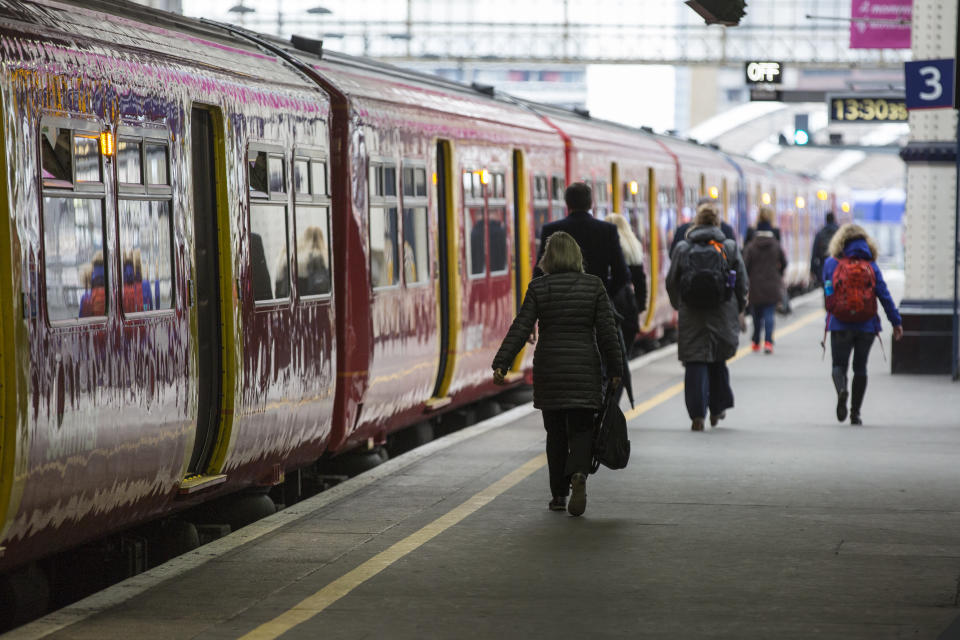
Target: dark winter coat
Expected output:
[708,335]
[576,326]
[765,262]
[599,244]
[821,243]
[853,244]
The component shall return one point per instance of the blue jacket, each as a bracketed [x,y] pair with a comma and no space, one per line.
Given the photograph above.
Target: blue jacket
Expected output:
[858,248]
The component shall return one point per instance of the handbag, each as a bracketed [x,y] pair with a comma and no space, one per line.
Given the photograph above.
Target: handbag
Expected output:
[611,446]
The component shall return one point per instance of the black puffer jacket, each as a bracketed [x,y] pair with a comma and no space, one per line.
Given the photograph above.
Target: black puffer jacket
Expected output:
[575,317]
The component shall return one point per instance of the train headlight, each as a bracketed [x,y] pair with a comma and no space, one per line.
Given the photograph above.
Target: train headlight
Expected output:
[822,195]
[845,207]
[714,193]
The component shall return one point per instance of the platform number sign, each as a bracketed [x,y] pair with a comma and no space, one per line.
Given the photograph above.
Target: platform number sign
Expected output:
[931,84]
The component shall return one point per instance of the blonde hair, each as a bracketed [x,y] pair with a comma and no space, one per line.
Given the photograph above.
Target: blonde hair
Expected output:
[632,249]
[765,215]
[707,215]
[561,254]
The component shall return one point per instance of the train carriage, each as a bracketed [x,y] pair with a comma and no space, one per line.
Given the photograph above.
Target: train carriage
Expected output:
[141,362]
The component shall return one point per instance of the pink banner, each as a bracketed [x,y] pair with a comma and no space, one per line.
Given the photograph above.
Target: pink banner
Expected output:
[881,24]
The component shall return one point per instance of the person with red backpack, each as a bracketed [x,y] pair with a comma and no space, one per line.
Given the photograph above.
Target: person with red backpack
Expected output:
[852,284]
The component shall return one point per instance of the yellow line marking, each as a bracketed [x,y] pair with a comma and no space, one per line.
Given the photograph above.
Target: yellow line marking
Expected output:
[669,392]
[340,587]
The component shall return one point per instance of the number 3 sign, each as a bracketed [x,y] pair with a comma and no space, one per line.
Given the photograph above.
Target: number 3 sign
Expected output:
[930,84]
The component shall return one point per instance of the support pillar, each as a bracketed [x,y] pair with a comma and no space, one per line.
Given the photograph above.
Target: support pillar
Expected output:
[931,232]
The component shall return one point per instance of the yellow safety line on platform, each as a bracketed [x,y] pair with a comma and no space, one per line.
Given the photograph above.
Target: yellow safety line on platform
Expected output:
[347,583]
[342,586]
[669,392]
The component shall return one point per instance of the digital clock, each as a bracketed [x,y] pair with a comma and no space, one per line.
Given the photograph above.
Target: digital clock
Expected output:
[860,108]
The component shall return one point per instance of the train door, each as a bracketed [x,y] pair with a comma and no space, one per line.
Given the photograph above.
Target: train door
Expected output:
[208,174]
[448,274]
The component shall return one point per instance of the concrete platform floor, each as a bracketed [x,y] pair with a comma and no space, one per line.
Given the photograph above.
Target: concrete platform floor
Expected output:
[781,523]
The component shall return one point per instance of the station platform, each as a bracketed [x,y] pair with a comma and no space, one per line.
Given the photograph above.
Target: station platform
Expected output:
[780,523]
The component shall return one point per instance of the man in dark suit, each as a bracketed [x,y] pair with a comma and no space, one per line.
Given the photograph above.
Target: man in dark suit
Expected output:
[681,231]
[598,240]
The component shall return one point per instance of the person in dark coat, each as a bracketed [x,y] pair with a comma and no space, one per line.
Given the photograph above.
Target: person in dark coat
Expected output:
[765,262]
[577,329]
[821,244]
[598,241]
[852,242]
[682,230]
[707,338]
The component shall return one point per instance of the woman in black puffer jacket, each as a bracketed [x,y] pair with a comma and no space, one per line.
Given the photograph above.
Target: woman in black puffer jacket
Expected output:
[576,325]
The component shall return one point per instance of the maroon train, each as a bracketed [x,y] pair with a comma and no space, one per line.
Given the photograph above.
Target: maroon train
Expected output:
[226,255]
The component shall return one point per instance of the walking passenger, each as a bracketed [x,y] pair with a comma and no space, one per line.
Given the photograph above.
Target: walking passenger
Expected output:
[631,300]
[765,262]
[682,230]
[852,283]
[598,241]
[576,329]
[821,243]
[707,284]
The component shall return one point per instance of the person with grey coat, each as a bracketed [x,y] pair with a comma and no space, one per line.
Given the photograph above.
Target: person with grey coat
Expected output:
[708,337]
[577,328]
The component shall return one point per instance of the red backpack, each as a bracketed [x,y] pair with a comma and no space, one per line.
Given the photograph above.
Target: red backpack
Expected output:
[854,297]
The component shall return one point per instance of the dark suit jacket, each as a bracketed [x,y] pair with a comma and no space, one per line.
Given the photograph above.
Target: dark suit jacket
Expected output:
[681,233]
[599,244]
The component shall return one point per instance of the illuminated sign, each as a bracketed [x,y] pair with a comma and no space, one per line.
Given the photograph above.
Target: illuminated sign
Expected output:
[764,73]
[867,108]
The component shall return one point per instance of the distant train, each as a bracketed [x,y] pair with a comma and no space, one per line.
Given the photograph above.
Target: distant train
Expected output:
[227,255]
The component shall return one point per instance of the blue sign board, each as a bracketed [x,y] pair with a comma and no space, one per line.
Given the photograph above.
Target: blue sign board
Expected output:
[930,84]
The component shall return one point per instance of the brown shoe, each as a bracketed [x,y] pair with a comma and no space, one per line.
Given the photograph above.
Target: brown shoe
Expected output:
[715,418]
[697,424]
[578,495]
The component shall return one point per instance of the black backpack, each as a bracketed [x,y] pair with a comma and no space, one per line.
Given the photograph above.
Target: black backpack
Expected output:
[611,447]
[704,272]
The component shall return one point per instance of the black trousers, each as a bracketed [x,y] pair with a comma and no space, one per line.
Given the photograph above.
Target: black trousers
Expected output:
[843,342]
[569,445]
[707,384]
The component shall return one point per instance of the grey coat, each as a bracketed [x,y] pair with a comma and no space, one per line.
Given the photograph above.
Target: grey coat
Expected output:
[576,325]
[707,335]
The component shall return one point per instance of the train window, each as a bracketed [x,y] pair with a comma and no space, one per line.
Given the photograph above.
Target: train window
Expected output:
[498,239]
[156,164]
[409,188]
[313,251]
[268,252]
[541,216]
[318,177]
[467,184]
[301,176]
[75,262]
[416,267]
[257,173]
[275,174]
[499,185]
[86,157]
[57,157]
[477,247]
[146,221]
[558,188]
[129,169]
[146,250]
[75,257]
[420,180]
[389,181]
[540,188]
[384,252]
